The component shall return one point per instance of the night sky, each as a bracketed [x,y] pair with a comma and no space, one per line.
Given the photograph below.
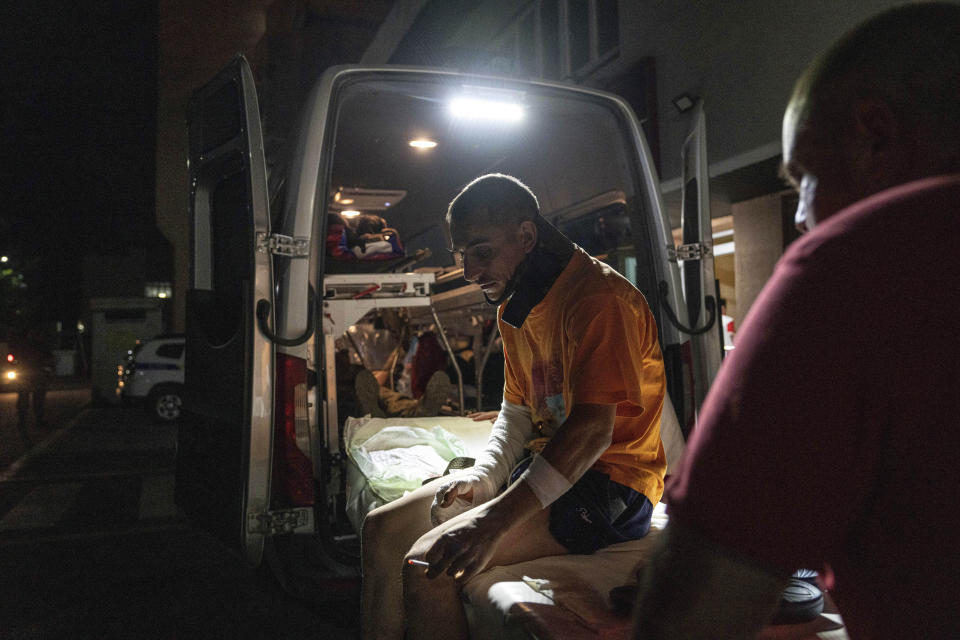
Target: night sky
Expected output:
[79,122]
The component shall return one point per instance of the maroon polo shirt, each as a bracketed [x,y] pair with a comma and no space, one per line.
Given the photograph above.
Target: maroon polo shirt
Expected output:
[831,436]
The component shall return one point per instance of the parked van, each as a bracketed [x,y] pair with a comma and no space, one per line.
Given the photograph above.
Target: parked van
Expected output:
[262,460]
[152,374]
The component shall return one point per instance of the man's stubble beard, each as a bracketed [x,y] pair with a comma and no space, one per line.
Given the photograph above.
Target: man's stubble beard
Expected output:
[511,285]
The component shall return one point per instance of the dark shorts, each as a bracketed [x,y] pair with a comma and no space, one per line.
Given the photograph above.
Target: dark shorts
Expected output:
[596,512]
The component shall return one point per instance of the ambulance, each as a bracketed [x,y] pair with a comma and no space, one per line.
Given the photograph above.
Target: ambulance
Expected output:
[264,451]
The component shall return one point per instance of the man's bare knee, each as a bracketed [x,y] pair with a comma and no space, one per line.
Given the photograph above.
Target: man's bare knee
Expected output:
[382,537]
[418,588]
[375,526]
[388,533]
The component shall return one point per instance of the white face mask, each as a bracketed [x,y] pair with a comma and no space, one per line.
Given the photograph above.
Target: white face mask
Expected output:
[805,217]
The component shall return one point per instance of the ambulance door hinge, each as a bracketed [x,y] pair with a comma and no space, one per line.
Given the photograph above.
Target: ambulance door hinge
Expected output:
[271,523]
[692,251]
[281,245]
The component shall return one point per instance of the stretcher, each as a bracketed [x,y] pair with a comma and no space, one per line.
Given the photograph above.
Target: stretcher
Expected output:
[347,298]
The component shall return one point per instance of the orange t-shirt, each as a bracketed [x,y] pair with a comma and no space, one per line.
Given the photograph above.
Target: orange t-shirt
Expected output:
[593,340]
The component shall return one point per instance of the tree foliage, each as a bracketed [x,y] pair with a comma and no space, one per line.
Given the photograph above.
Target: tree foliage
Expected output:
[18,309]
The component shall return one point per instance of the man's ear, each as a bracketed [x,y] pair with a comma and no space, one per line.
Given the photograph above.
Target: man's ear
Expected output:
[528,235]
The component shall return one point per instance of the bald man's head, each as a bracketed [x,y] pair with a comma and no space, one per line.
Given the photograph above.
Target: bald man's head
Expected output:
[907,57]
[878,108]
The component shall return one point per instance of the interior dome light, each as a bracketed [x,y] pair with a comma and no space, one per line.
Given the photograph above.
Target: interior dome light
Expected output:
[350,213]
[422,143]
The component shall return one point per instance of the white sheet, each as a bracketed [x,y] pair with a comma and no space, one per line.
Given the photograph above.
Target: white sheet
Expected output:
[362,497]
[473,434]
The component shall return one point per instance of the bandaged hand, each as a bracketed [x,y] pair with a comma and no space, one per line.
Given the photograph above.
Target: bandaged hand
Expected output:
[511,430]
[461,493]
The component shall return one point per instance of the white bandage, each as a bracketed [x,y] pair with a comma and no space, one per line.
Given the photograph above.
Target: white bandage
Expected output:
[462,484]
[511,432]
[547,483]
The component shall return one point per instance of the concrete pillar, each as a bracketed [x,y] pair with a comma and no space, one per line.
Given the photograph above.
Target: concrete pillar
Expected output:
[758,229]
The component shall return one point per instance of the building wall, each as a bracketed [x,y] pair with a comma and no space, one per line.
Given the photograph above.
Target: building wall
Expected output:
[741,57]
[114,275]
[288,44]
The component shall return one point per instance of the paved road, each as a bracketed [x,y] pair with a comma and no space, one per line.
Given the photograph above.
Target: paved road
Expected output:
[61,405]
[111,469]
[92,546]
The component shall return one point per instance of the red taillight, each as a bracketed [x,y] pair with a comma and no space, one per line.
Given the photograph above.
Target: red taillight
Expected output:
[292,469]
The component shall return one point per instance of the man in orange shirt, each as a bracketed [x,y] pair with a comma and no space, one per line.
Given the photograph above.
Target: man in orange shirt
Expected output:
[584,388]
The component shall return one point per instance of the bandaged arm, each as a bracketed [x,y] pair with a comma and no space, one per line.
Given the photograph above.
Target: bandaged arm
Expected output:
[511,431]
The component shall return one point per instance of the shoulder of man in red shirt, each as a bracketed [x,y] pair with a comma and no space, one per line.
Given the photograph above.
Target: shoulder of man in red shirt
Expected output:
[828,428]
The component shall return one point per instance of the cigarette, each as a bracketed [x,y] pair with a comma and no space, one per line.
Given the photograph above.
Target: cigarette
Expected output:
[418,562]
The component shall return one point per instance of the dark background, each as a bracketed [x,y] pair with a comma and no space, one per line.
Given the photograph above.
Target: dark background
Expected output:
[79,139]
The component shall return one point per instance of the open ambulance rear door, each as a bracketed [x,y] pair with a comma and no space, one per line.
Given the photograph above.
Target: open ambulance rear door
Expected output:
[225,439]
[695,256]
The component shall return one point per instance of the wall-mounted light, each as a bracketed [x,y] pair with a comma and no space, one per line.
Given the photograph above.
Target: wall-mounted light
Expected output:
[350,213]
[422,143]
[158,290]
[683,103]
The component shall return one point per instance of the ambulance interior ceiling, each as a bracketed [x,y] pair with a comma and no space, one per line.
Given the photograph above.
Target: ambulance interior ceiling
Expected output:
[568,150]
